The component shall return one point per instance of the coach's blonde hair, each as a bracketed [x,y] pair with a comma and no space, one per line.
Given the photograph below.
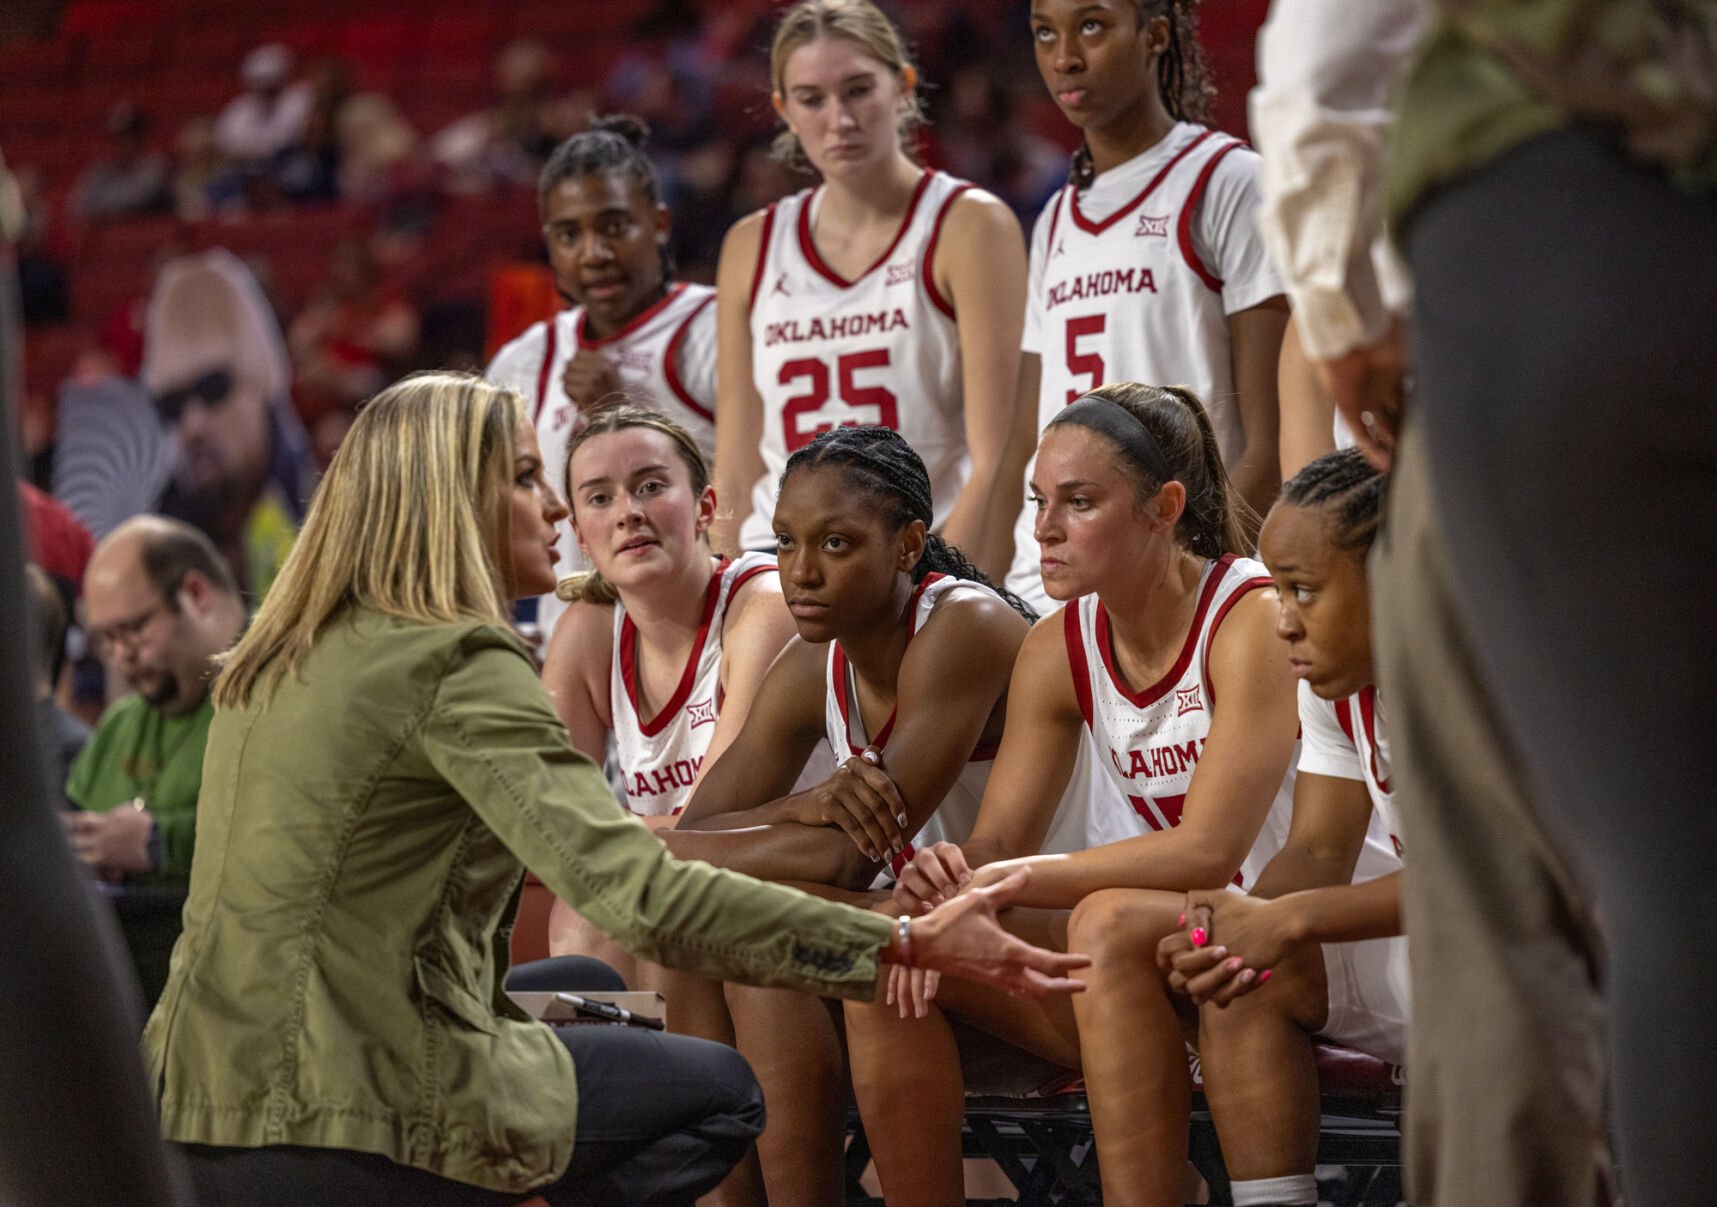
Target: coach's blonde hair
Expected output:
[410,519]
[859,22]
[588,586]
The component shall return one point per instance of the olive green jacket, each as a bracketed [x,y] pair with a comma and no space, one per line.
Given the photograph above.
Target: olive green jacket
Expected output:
[359,839]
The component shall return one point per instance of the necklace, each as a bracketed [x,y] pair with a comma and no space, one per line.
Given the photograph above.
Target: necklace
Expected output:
[163,756]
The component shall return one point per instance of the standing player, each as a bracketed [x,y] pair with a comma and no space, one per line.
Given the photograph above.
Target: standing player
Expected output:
[1148,265]
[633,331]
[888,294]
[1320,941]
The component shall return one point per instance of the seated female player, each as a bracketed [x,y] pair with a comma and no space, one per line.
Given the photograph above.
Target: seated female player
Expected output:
[329,1032]
[903,657]
[1320,941]
[1168,655]
[663,644]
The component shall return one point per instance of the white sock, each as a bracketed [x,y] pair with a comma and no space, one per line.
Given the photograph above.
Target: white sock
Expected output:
[1300,1188]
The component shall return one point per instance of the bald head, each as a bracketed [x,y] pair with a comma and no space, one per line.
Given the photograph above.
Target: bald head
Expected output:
[160,603]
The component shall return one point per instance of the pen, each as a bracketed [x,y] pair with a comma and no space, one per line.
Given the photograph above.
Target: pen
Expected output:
[607,1011]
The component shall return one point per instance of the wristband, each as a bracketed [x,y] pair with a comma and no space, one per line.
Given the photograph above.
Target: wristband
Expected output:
[903,940]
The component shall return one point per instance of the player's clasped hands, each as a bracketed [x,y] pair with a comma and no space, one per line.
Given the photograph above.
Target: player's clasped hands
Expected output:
[1226,947]
[861,799]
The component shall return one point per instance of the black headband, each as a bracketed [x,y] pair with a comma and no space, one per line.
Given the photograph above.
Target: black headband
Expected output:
[1121,426]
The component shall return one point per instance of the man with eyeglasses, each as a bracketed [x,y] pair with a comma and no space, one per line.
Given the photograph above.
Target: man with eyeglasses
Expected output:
[160,602]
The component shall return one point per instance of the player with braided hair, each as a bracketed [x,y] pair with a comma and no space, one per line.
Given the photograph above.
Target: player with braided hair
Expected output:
[633,333]
[1329,937]
[901,663]
[1148,266]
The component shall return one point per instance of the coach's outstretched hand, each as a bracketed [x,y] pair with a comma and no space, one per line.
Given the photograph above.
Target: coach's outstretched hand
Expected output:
[962,938]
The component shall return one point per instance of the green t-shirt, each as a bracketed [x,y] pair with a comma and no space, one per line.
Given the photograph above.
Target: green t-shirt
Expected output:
[138,752]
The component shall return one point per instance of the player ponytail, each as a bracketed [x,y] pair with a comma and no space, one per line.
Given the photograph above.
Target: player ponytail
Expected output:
[1177,443]
[879,461]
[611,144]
[588,586]
[1348,490]
[1183,78]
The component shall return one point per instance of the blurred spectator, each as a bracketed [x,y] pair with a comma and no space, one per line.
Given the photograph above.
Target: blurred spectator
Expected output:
[199,169]
[160,604]
[269,116]
[979,140]
[54,538]
[309,169]
[130,177]
[61,734]
[376,143]
[509,143]
[42,287]
[216,368]
[354,335]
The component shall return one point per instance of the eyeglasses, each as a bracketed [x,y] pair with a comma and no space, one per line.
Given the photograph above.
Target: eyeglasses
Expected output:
[123,634]
[211,389]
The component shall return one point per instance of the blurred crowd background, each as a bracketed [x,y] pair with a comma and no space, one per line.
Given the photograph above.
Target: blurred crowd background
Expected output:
[337,192]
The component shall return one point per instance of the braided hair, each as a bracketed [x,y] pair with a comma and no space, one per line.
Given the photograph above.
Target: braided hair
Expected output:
[879,461]
[611,144]
[1346,488]
[1183,78]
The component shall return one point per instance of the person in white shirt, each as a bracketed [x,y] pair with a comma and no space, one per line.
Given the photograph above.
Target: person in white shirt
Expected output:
[1323,925]
[888,294]
[1147,266]
[632,333]
[269,115]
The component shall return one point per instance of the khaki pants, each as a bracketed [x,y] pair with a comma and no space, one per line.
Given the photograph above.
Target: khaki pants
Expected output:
[1505,1069]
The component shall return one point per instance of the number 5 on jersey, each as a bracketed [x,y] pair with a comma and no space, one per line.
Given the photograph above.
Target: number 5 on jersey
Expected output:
[1084,362]
[849,394]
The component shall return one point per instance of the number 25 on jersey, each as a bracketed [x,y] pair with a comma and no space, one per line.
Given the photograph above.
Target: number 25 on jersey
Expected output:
[802,418]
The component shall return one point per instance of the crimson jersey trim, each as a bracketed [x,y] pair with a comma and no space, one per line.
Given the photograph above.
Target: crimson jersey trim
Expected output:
[671,363]
[762,256]
[808,245]
[1240,592]
[630,325]
[928,270]
[629,661]
[1183,227]
[1156,691]
[1096,228]
[543,369]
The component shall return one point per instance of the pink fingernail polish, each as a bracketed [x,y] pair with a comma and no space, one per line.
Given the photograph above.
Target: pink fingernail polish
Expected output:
[1234,964]
[1180,921]
[1246,977]
[1263,976]
[1198,936]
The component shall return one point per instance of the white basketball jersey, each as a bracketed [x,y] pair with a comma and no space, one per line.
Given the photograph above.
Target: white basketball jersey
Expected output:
[1346,739]
[1127,297]
[828,352]
[955,817]
[659,757]
[665,358]
[1151,740]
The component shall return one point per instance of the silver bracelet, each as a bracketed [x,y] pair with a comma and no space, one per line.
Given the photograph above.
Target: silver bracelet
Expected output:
[903,940]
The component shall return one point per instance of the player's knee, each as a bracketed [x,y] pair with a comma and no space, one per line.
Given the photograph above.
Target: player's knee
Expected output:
[1122,923]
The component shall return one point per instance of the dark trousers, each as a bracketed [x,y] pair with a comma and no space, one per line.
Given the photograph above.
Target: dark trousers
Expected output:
[1566,314]
[661,1119]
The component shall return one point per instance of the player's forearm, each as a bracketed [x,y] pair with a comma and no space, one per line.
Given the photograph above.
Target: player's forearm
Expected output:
[1298,867]
[716,819]
[1153,861]
[819,854]
[1344,913]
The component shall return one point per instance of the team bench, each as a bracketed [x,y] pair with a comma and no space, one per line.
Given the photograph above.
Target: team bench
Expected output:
[1041,1138]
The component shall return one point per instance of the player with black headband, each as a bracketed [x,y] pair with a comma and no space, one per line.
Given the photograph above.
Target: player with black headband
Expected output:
[633,332]
[1167,655]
